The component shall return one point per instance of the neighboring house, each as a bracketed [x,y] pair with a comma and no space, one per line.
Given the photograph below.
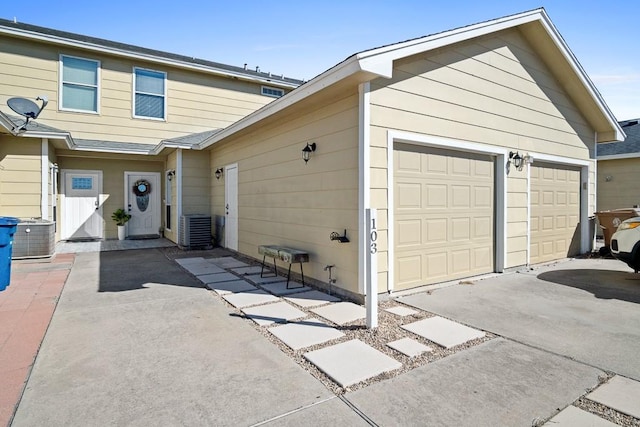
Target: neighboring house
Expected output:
[116,114]
[619,170]
[429,132]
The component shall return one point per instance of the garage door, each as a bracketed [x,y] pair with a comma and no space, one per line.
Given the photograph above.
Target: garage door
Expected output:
[443,215]
[555,212]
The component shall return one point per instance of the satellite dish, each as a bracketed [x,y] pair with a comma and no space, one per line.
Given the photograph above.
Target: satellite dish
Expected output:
[27,108]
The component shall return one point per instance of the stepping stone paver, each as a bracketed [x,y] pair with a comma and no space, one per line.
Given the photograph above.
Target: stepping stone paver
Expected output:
[401,311]
[254,269]
[233,287]
[305,333]
[246,299]
[255,278]
[217,278]
[350,362]
[409,347]
[228,262]
[443,331]
[280,288]
[621,394]
[273,313]
[203,268]
[572,416]
[341,312]
[311,299]
[186,261]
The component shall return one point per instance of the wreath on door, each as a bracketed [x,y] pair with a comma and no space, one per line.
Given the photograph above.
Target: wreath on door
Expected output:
[142,187]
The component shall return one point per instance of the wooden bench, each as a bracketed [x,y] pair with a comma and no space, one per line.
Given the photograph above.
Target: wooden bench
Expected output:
[285,255]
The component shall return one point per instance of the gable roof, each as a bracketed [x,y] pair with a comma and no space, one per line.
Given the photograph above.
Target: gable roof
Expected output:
[378,62]
[49,35]
[628,148]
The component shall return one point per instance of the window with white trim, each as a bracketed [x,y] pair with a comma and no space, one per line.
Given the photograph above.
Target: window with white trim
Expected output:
[79,86]
[272,91]
[149,98]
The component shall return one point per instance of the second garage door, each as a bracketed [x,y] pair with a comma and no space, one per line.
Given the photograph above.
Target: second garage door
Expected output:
[555,212]
[443,215]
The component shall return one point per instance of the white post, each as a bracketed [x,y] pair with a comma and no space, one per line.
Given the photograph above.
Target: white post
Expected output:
[372,263]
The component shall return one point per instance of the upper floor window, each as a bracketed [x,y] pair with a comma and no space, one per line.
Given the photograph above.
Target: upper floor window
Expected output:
[272,91]
[149,94]
[79,84]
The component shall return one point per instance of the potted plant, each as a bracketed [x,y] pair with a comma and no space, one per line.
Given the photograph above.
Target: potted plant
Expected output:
[120,216]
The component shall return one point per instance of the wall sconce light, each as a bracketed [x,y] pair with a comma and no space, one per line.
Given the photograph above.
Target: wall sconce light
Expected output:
[219,173]
[339,238]
[307,150]
[516,159]
[171,174]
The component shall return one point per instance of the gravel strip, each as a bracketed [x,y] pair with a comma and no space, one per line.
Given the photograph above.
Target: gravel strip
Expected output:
[607,413]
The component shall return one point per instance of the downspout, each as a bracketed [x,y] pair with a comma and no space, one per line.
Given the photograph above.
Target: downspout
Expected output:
[364,180]
[44,179]
[178,191]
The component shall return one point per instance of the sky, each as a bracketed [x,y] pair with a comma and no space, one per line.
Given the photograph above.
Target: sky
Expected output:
[304,38]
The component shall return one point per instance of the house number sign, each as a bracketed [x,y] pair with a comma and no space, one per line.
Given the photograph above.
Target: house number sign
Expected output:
[371,300]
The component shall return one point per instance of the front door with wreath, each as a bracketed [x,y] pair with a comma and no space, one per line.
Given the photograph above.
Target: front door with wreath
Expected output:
[143,203]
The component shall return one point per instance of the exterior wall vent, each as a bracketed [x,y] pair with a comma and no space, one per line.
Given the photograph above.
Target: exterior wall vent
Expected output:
[195,231]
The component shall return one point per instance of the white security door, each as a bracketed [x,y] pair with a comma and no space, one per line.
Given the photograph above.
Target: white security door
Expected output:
[82,211]
[142,195]
[231,207]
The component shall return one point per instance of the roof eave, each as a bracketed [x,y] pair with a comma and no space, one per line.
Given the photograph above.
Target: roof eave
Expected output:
[16,32]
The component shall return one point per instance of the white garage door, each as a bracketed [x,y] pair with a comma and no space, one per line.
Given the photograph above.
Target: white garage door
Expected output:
[555,212]
[443,215]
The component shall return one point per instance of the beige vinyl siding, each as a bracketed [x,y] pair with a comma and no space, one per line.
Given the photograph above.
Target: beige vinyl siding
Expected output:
[113,169]
[283,201]
[195,182]
[621,190]
[20,179]
[196,102]
[493,90]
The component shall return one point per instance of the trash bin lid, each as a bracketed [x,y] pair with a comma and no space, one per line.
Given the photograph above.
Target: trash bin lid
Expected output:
[8,221]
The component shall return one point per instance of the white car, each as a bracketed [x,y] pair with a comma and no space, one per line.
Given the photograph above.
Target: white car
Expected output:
[625,243]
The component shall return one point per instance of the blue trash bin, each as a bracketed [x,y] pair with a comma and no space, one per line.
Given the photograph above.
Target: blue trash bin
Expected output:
[8,226]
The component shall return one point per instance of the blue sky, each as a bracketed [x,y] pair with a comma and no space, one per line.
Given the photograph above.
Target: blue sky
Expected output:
[304,38]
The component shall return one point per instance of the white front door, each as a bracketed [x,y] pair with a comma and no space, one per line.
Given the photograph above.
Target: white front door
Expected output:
[231,207]
[142,199]
[81,205]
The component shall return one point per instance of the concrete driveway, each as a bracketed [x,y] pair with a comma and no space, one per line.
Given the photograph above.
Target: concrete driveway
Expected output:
[585,309]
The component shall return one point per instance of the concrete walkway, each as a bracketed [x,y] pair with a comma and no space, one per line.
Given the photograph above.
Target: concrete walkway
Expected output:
[137,340]
[26,307]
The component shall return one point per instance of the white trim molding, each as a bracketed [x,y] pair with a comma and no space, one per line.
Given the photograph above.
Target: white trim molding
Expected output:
[500,154]
[364,179]
[44,179]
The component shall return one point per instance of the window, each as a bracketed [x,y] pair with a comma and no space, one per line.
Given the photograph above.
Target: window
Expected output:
[149,94]
[79,84]
[272,91]
[81,183]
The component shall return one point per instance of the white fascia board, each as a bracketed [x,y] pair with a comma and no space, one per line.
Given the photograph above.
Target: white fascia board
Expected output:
[582,75]
[140,56]
[339,72]
[619,156]
[380,60]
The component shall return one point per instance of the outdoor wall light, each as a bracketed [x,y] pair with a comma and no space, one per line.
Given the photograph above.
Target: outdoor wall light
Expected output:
[307,150]
[171,174]
[337,237]
[516,159]
[219,173]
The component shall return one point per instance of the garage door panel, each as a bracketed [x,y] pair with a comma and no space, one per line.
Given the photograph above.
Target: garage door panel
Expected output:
[436,230]
[409,233]
[409,196]
[456,211]
[554,220]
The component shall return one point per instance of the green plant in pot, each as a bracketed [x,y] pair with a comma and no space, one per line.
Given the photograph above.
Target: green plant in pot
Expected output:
[120,216]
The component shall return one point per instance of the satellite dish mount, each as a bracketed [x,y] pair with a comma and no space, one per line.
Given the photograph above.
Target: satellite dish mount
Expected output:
[27,108]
